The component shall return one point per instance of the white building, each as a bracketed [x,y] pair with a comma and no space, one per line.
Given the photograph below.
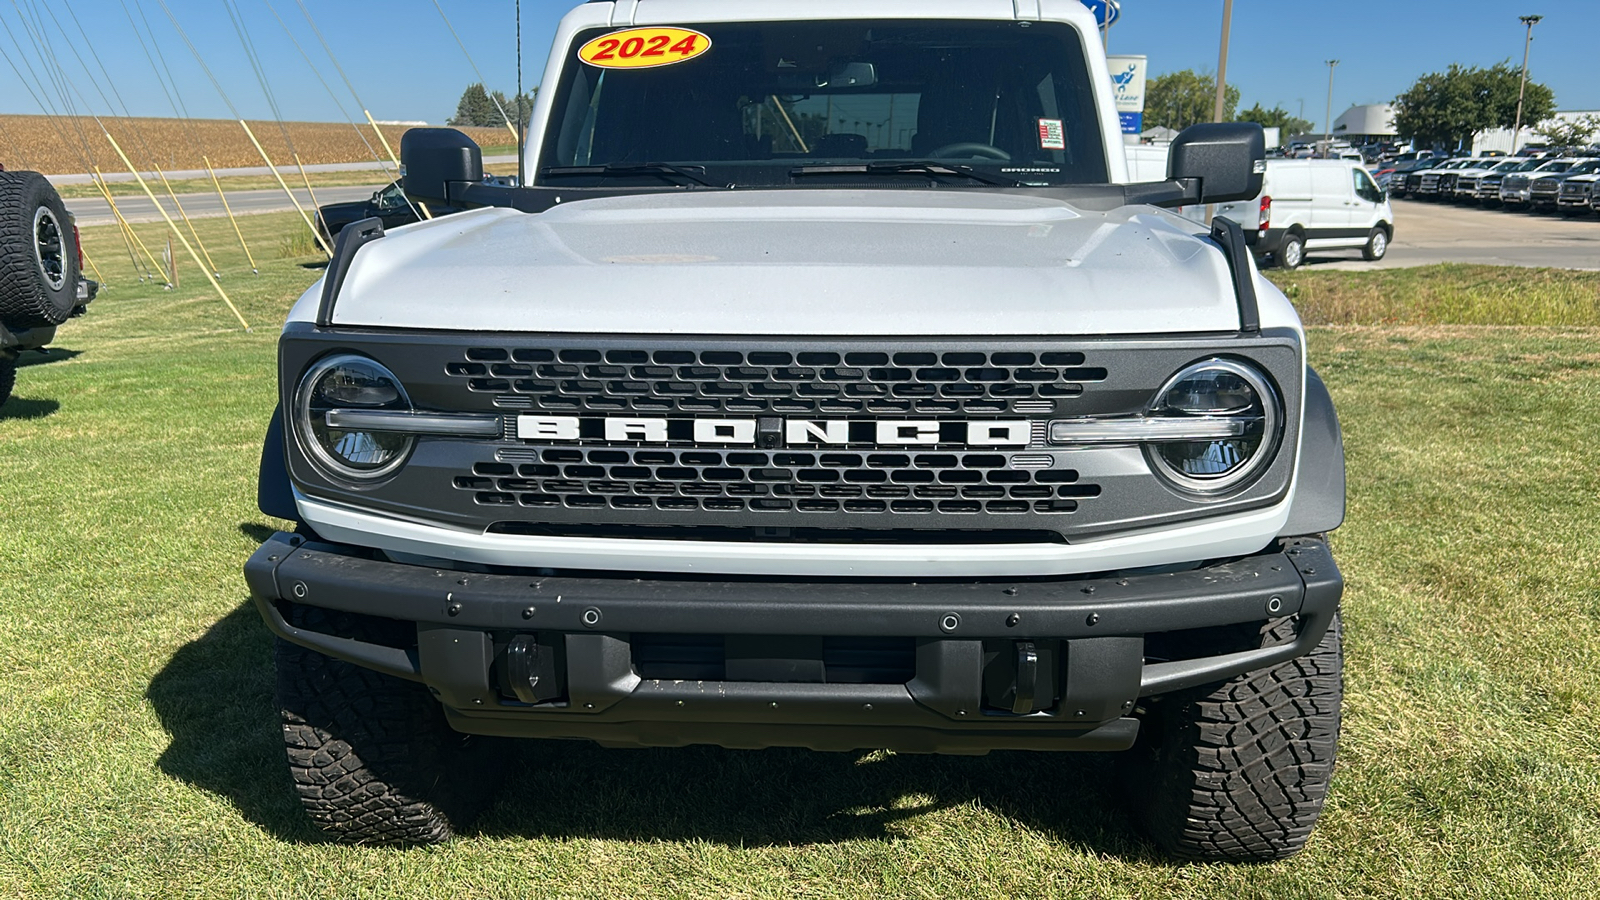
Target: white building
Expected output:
[1364,124]
[1500,138]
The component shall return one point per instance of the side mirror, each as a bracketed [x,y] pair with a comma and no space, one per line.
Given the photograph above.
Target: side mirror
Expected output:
[436,164]
[1220,162]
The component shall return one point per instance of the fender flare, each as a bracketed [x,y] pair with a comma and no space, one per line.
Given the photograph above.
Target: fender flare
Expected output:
[1319,495]
[274,493]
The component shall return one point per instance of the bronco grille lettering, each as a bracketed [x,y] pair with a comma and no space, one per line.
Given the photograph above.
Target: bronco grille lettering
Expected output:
[796,432]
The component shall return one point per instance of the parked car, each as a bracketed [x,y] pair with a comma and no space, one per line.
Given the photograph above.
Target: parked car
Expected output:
[1464,188]
[1423,184]
[41,269]
[1545,190]
[1489,183]
[1315,204]
[1578,192]
[389,204]
[1516,192]
[1393,180]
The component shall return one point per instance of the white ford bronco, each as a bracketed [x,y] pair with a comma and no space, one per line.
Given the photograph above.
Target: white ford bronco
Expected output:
[828,385]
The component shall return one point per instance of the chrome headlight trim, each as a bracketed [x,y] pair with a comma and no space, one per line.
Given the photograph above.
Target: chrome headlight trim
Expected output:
[1270,416]
[325,462]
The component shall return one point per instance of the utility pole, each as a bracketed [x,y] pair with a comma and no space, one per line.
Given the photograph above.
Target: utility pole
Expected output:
[1218,108]
[1327,129]
[1516,132]
[522,134]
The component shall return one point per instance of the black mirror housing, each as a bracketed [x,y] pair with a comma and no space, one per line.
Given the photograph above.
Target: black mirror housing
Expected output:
[1227,160]
[436,164]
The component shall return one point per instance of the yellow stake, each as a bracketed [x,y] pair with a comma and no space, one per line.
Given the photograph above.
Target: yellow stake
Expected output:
[122,230]
[85,254]
[307,179]
[181,239]
[315,235]
[175,202]
[155,266]
[229,210]
[421,207]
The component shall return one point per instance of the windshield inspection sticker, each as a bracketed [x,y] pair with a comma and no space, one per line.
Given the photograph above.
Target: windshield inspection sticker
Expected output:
[1051,135]
[644,48]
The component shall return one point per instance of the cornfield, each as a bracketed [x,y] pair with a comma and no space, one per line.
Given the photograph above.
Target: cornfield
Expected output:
[70,145]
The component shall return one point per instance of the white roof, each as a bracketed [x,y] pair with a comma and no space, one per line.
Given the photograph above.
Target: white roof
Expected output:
[1374,118]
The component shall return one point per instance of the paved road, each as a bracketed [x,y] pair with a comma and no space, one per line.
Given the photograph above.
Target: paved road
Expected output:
[288,172]
[91,211]
[1427,233]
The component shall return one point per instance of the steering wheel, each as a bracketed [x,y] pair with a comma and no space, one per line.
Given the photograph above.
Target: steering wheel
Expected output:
[969,149]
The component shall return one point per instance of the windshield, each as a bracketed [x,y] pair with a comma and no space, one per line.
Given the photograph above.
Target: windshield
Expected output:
[784,103]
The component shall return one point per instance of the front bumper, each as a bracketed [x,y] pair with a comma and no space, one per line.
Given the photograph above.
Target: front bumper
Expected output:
[1094,636]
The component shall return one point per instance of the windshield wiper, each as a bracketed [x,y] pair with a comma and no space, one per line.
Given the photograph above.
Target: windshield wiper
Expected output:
[915,167]
[694,174]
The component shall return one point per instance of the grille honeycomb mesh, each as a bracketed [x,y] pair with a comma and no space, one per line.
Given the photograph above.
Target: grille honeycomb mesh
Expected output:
[665,382]
[718,481]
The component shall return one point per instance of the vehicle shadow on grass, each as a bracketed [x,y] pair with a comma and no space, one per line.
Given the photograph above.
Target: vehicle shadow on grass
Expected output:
[20,408]
[45,356]
[214,697]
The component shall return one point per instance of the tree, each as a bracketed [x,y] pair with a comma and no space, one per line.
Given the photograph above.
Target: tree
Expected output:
[1449,107]
[1276,117]
[1180,99]
[1570,132]
[510,106]
[475,108]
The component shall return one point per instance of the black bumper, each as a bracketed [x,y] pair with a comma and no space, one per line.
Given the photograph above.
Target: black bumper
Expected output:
[1091,634]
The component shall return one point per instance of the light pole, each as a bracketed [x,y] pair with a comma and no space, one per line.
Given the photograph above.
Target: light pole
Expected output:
[1219,106]
[1327,129]
[1516,132]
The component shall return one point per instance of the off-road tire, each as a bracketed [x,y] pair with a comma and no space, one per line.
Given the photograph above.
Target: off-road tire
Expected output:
[1377,245]
[1288,258]
[8,379]
[1239,771]
[370,755]
[28,298]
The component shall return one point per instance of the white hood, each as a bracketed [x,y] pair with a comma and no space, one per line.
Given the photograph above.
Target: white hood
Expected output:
[796,262]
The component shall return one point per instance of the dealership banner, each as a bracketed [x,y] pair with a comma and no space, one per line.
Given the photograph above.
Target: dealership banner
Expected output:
[1127,85]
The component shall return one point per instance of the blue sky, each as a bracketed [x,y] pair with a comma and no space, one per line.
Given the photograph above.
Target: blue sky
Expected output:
[406,65]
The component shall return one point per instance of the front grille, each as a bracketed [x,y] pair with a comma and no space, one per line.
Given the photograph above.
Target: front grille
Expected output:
[577,381]
[717,481]
[841,660]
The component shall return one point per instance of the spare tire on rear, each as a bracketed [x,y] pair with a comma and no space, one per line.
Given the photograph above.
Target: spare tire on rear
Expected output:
[38,256]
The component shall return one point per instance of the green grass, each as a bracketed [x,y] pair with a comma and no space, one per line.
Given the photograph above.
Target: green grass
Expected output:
[139,754]
[1445,294]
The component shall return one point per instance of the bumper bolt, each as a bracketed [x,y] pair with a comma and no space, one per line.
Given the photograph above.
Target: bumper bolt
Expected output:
[1274,604]
[949,623]
[591,617]
[1093,619]
[453,609]
[867,707]
[300,589]
[528,613]
[1011,592]
[1012,620]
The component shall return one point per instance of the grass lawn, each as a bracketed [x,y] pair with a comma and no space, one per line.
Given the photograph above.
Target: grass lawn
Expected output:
[140,757]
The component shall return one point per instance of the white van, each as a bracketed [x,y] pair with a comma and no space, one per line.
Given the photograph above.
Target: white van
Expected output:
[1315,204]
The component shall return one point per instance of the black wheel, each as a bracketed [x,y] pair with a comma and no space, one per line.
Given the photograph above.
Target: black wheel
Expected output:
[1239,771]
[1377,245]
[8,379]
[1293,251]
[38,259]
[371,755]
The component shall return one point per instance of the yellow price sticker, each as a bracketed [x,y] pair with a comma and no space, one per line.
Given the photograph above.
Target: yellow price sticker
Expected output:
[643,48]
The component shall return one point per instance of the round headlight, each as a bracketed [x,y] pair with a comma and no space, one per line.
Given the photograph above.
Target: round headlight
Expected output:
[1217,389]
[352,382]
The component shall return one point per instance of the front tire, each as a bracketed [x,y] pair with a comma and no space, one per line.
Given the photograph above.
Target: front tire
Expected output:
[1293,252]
[371,756]
[1239,771]
[1377,245]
